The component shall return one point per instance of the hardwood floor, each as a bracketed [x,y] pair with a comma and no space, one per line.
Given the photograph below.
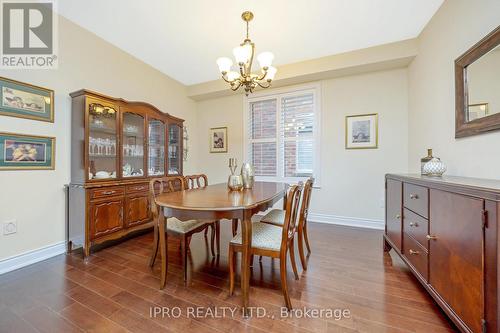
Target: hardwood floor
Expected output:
[117,292]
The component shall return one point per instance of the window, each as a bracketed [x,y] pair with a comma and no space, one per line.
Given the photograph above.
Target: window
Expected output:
[282,135]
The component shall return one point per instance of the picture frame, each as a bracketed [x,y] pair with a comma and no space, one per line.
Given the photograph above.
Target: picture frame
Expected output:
[361,131]
[23,100]
[26,152]
[217,140]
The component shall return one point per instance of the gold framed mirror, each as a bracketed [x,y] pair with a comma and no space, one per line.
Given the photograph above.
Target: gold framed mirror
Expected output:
[477,87]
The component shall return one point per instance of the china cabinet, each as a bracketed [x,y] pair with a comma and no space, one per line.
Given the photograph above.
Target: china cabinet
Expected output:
[116,147]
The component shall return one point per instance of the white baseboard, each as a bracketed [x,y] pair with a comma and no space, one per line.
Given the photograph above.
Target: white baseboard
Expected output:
[31,257]
[347,221]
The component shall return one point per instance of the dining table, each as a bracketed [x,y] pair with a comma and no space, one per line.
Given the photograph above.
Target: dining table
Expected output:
[217,202]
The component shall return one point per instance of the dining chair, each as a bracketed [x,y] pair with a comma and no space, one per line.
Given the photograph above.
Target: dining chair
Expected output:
[272,241]
[277,217]
[174,227]
[201,181]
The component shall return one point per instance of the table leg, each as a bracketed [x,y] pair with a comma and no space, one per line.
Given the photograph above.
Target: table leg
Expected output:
[163,247]
[246,233]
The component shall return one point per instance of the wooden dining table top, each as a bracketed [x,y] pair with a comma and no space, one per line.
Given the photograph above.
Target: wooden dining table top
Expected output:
[219,197]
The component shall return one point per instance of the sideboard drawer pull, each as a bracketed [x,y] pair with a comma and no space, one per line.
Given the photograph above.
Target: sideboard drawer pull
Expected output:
[108,192]
[413,224]
[431,237]
[413,196]
[413,252]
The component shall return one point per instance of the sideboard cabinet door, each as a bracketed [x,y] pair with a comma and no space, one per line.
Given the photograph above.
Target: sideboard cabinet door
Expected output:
[106,217]
[394,198]
[137,208]
[455,260]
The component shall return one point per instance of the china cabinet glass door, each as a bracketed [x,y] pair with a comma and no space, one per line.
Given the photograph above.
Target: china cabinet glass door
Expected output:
[156,144]
[102,141]
[174,149]
[133,145]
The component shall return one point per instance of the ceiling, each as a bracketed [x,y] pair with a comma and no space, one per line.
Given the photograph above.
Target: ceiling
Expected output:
[183,38]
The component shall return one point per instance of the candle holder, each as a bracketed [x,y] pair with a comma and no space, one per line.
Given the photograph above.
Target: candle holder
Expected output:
[234,182]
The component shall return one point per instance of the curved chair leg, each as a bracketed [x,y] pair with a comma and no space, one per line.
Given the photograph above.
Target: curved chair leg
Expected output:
[292,259]
[212,238]
[260,258]
[300,235]
[306,238]
[217,236]
[251,260]
[284,285]
[231,257]
[206,232]
[155,247]
[184,255]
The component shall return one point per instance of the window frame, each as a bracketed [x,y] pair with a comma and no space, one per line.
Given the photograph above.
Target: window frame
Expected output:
[278,94]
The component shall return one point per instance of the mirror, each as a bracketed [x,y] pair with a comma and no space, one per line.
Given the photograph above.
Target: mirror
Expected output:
[477,87]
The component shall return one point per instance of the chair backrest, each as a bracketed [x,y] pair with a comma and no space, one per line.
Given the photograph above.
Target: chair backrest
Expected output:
[163,185]
[291,211]
[306,199]
[196,181]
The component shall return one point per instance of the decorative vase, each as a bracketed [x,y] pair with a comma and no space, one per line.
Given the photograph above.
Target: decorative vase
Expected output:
[434,167]
[424,160]
[247,173]
[234,182]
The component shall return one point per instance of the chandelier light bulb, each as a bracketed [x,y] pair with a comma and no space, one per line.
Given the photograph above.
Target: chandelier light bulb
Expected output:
[232,75]
[224,64]
[265,59]
[271,72]
[242,54]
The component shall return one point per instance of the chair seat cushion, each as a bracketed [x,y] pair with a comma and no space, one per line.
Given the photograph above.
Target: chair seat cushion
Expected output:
[183,227]
[275,216]
[264,236]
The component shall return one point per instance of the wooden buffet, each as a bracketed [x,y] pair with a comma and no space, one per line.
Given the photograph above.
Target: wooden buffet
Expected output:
[446,231]
[116,148]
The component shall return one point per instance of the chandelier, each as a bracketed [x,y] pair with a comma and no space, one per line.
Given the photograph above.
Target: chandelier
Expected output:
[243,55]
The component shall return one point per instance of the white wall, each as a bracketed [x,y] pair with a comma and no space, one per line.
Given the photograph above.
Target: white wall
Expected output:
[36,198]
[352,181]
[456,26]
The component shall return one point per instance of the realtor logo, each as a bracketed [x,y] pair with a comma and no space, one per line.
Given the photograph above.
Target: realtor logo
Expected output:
[28,34]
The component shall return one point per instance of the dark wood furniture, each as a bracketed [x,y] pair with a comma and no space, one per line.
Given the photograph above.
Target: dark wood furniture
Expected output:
[217,202]
[446,230]
[272,241]
[277,217]
[174,227]
[464,127]
[116,148]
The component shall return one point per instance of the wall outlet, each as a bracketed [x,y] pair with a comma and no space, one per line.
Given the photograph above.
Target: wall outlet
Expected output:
[10,227]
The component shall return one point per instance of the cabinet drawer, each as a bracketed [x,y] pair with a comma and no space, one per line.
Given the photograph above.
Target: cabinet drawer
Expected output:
[416,255]
[416,198]
[416,226]
[107,191]
[137,188]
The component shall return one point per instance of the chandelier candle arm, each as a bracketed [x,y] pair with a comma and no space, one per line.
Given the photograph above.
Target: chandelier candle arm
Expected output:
[244,55]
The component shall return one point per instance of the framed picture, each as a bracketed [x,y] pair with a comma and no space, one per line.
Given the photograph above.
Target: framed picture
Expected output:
[26,152]
[24,100]
[218,140]
[361,131]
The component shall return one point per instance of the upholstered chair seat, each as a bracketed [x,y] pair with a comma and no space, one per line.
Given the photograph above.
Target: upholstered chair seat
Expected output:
[264,237]
[275,216]
[183,227]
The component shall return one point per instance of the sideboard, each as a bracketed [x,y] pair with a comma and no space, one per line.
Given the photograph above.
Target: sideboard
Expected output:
[117,146]
[446,230]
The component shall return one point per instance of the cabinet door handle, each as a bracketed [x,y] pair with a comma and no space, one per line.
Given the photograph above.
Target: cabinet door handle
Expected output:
[431,237]
[413,252]
[413,196]
[413,224]
[398,217]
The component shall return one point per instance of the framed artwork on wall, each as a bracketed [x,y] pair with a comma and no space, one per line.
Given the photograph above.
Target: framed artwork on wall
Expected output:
[24,100]
[361,131]
[26,152]
[218,140]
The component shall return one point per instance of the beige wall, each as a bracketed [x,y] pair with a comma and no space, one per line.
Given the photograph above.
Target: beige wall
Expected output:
[36,198]
[457,26]
[352,181]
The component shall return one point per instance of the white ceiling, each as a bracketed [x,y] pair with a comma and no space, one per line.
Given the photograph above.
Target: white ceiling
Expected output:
[183,38]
